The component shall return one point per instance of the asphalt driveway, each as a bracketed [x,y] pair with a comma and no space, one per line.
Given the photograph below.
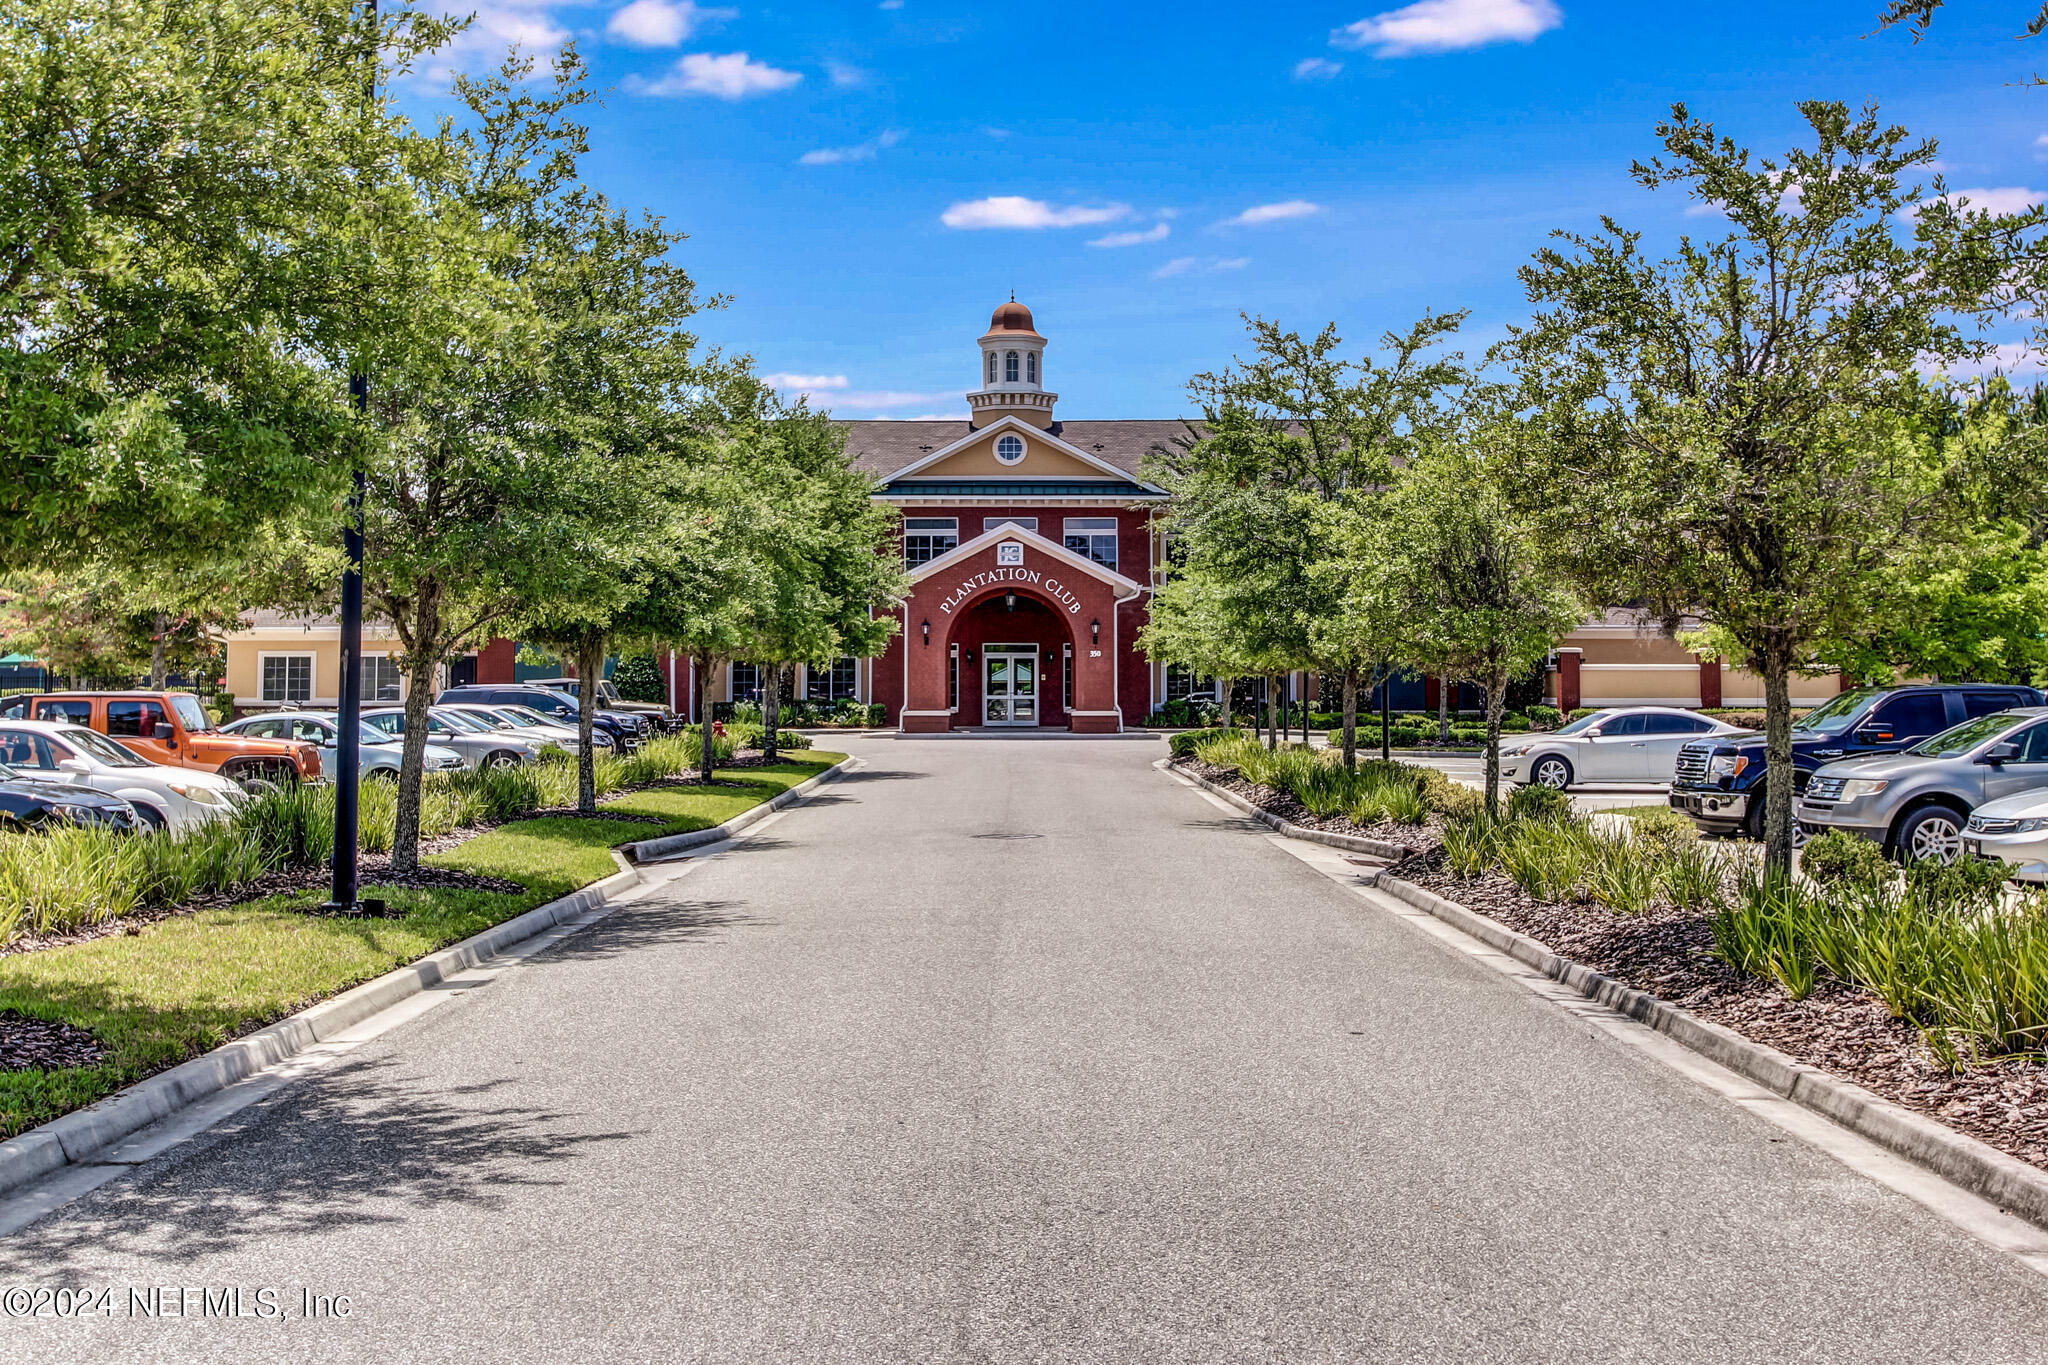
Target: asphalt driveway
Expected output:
[1015,1051]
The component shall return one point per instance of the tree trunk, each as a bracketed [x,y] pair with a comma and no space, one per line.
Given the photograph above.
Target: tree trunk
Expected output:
[1351,715]
[1778,771]
[708,749]
[1443,710]
[1272,713]
[1496,697]
[157,663]
[419,665]
[589,669]
[771,709]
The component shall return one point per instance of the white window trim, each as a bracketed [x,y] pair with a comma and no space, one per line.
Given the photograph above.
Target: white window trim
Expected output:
[1022,523]
[312,676]
[403,681]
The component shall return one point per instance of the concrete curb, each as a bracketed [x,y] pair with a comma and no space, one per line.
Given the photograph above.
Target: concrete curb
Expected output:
[78,1136]
[1351,843]
[2006,1181]
[674,843]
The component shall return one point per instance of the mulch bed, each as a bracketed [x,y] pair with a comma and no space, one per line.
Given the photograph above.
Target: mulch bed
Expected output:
[1414,838]
[40,1045]
[1839,1028]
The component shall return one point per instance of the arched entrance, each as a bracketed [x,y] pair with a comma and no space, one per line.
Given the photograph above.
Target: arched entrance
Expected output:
[1016,656]
[1005,609]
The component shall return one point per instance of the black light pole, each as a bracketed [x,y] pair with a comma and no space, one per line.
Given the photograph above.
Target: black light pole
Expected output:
[348,721]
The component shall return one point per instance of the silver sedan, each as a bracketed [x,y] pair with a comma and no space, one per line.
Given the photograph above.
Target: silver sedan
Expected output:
[481,746]
[1635,744]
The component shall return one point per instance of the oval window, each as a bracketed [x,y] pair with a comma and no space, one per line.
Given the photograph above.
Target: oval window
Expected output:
[1010,449]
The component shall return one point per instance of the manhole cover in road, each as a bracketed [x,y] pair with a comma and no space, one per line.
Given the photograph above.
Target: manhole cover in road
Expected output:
[1008,836]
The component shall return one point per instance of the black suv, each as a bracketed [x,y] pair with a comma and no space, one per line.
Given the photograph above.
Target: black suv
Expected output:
[626,731]
[1719,782]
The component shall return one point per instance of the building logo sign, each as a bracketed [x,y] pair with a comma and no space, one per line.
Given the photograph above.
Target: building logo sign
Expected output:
[1010,570]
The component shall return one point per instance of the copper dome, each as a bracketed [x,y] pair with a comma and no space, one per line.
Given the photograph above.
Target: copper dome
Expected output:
[1011,317]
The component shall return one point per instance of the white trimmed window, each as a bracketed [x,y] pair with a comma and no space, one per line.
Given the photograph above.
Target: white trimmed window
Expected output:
[926,538]
[1010,449]
[1031,367]
[746,682]
[1092,537]
[838,682]
[991,367]
[1010,367]
[1026,523]
[286,677]
[382,678]
[1184,684]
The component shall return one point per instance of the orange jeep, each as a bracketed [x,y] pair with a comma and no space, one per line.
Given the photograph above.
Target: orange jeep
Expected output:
[174,728]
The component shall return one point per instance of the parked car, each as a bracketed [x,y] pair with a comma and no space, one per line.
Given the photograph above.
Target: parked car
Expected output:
[1916,803]
[174,729]
[478,746]
[531,725]
[379,756]
[37,803]
[162,798]
[1719,781]
[1622,744]
[608,699]
[626,731]
[2014,830]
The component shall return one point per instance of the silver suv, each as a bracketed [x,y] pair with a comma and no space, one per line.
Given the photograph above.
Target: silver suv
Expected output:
[1916,802]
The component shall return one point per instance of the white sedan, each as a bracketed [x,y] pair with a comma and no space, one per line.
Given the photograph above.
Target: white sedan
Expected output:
[1637,744]
[2013,829]
[176,799]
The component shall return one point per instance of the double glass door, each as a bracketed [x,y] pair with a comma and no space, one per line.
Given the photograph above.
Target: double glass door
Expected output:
[1009,685]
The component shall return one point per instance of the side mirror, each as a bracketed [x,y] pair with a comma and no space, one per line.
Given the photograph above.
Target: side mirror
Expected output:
[2001,753]
[1595,733]
[1874,734]
[72,765]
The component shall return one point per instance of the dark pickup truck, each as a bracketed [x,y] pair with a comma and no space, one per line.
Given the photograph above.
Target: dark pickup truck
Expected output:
[1719,782]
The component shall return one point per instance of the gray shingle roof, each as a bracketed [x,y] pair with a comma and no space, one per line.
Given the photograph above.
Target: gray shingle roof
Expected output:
[882,448]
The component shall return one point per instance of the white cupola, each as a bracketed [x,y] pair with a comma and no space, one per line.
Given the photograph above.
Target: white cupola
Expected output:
[1012,370]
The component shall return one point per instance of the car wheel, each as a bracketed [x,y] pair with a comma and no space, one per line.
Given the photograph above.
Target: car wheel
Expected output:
[258,786]
[1934,832]
[381,775]
[150,817]
[1552,772]
[502,759]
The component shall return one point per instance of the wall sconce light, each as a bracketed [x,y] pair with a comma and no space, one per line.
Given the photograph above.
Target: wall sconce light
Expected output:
[927,633]
[1095,631]
[970,654]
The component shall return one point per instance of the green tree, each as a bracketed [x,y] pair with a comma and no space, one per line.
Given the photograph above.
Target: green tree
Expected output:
[1467,570]
[1285,434]
[1742,431]
[638,678]
[172,180]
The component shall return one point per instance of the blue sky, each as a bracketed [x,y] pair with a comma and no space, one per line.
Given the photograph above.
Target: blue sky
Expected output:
[866,181]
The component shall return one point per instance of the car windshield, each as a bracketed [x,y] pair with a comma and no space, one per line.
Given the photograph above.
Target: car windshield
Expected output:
[7,774]
[1583,724]
[1835,715]
[1960,739]
[190,712]
[103,749]
[370,734]
[462,723]
[521,717]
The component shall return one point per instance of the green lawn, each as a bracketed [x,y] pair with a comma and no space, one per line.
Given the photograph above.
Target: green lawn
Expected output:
[189,983]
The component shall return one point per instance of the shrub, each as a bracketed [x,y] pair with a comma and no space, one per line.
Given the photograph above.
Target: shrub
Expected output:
[1545,717]
[1538,803]
[1581,712]
[638,678]
[1836,857]
[1514,725]
[1183,713]
[1405,804]
[1459,802]
[1470,845]
[1625,876]
[1549,859]
[1692,876]
[1182,745]
[1665,829]
[1964,886]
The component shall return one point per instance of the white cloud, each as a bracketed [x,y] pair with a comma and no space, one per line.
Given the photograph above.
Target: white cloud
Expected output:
[997,132]
[1197,265]
[1273,213]
[525,24]
[660,23]
[807,382]
[890,4]
[1316,69]
[838,156]
[730,76]
[845,75]
[1449,25]
[1156,233]
[2001,201]
[2014,358]
[1015,211]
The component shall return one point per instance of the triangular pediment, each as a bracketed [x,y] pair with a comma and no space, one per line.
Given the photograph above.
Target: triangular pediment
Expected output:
[1010,531]
[1045,456]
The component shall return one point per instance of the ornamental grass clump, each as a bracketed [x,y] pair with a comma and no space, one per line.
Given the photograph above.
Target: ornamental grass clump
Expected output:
[1550,859]
[1625,874]
[1470,846]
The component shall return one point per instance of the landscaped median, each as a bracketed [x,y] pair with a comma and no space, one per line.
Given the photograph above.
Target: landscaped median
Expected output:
[1927,987]
[149,989]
